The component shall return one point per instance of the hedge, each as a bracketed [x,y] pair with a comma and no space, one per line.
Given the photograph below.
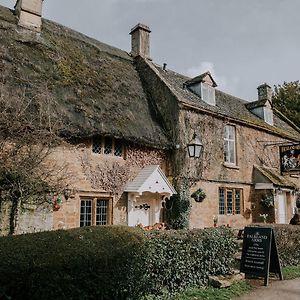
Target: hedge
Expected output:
[110,262]
[288,244]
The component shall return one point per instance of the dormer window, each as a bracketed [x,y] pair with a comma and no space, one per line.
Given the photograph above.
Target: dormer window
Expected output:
[208,94]
[204,87]
[263,106]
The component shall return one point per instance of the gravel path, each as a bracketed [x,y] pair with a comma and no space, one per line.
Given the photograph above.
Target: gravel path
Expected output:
[276,290]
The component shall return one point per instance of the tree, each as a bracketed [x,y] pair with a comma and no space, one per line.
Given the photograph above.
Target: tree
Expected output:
[287,100]
[28,134]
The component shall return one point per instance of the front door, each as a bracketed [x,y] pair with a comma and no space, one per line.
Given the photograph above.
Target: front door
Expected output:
[282,208]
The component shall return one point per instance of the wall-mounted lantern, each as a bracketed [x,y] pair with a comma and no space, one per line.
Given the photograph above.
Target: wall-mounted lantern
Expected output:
[67,193]
[195,147]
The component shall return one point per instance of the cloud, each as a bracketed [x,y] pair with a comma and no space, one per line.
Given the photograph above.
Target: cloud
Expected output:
[225,83]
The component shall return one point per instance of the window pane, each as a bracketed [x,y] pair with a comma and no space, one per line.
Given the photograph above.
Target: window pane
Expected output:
[108,145]
[226,151]
[97,147]
[85,213]
[229,144]
[118,148]
[101,212]
[237,201]
[221,202]
[229,202]
[232,152]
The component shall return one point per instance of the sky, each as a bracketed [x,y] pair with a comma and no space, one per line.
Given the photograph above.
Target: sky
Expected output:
[243,43]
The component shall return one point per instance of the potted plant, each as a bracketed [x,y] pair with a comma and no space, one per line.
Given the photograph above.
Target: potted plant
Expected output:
[199,195]
[267,201]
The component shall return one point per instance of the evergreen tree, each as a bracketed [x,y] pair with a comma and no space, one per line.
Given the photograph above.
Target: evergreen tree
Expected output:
[287,100]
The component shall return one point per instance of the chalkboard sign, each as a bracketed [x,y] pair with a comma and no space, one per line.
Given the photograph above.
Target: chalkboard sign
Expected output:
[259,255]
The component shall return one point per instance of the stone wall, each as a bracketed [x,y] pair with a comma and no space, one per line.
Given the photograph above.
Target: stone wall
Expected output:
[210,172]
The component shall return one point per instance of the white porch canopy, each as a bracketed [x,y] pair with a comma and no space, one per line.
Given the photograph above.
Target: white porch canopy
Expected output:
[150,179]
[145,196]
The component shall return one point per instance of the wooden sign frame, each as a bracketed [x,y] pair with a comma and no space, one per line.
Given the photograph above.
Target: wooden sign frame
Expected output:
[259,254]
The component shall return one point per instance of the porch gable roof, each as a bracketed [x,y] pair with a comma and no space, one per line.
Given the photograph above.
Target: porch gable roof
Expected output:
[150,179]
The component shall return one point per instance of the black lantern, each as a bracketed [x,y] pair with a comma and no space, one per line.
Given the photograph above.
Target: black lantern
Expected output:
[195,147]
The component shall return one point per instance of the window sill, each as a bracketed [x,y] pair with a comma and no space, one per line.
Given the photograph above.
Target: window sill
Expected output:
[231,166]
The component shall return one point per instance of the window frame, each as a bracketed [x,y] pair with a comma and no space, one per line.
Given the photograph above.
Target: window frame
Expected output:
[233,191]
[208,93]
[94,210]
[102,143]
[229,141]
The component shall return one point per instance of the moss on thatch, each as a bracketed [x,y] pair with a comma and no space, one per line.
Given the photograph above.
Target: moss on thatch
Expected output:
[93,88]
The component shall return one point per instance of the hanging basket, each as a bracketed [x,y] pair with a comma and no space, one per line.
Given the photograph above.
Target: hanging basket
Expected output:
[198,195]
[267,201]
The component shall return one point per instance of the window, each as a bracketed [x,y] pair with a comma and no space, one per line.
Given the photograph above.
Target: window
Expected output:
[268,115]
[108,146]
[230,201]
[94,212]
[229,145]
[208,94]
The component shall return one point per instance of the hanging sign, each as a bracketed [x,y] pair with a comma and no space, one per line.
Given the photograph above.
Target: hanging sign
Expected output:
[290,158]
[260,255]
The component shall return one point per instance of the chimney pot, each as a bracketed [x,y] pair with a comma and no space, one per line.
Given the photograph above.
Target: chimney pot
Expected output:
[265,92]
[30,14]
[140,41]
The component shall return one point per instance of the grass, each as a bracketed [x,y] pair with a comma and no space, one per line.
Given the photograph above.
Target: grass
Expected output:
[291,272]
[210,293]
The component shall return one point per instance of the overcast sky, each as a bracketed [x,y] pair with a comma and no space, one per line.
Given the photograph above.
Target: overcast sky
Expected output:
[243,43]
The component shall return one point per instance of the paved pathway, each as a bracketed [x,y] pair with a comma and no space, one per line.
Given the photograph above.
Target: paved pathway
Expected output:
[276,290]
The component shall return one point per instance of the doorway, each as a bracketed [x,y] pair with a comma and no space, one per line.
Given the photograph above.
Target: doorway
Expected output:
[282,217]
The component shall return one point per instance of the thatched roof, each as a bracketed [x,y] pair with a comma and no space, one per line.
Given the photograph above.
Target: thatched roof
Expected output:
[94,88]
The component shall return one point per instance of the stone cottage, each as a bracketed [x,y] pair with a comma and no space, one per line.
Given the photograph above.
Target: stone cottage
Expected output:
[130,122]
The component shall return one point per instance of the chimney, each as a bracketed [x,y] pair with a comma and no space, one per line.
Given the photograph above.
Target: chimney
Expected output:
[265,92]
[140,45]
[30,14]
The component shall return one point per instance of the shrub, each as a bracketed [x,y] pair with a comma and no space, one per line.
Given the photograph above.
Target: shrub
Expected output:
[111,262]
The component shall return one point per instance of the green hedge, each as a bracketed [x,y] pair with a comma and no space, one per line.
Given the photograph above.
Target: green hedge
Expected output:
[288,243]
[110,262]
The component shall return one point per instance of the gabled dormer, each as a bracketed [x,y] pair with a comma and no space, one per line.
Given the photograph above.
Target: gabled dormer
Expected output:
[204,87]
[263,106]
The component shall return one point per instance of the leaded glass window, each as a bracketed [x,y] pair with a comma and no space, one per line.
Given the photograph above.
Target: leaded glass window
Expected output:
[85,213]
[108,145]
[101,212]
[230,201]
[118,148]
[97,145]
[221,202]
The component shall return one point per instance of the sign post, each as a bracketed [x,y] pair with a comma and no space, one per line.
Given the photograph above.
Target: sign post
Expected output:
[260,255]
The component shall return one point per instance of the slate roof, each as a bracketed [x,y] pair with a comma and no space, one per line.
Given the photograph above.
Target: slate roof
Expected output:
[274,177]
[226,105]
[94,89]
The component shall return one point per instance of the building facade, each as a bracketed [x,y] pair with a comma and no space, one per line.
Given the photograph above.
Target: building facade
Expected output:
[131,121]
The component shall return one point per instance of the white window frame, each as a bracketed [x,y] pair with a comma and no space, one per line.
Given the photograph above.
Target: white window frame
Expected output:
[208,94]
[230,145]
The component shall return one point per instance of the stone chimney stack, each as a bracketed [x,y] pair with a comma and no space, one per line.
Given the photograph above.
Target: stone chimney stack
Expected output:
[265,92]
[30,14]
[140,41]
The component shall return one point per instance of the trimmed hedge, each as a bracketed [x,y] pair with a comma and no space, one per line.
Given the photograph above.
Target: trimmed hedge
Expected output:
[288,243]
[111,262]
